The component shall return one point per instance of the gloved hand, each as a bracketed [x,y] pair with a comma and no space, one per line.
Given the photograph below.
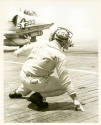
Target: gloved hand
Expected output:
[78,106]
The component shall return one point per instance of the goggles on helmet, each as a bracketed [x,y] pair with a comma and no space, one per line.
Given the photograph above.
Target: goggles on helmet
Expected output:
[63,33]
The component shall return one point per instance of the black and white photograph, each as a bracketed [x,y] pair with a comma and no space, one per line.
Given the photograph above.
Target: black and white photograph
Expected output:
[49,61]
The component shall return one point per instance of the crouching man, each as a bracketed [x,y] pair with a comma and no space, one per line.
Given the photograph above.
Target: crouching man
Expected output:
[38,75]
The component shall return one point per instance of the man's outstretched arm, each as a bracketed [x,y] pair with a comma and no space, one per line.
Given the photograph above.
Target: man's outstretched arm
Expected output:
[25,50]
[66,81]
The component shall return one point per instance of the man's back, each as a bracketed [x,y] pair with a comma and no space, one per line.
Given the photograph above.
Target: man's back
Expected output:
[43,59]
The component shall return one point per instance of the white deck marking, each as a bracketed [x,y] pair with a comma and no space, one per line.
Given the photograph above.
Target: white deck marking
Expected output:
[19,63]
[74,70]
[84,71]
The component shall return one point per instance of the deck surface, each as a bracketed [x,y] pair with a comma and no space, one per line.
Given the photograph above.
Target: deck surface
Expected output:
[83,72]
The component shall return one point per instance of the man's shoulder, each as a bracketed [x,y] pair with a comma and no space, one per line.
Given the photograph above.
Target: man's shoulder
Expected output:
[55,52]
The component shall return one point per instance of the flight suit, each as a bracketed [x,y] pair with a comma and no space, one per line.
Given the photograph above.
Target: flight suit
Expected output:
[44,71]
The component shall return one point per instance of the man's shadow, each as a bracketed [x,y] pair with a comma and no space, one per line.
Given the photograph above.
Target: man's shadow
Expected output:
[54,106]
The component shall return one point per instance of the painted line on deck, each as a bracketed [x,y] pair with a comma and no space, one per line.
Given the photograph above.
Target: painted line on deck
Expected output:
[19,63]
[74,70]
[84,71]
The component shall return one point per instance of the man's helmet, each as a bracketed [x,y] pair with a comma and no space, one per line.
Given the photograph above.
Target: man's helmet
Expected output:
[62,33]
[63,36]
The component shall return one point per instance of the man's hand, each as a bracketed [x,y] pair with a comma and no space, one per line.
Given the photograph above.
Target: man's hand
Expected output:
[78,106]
